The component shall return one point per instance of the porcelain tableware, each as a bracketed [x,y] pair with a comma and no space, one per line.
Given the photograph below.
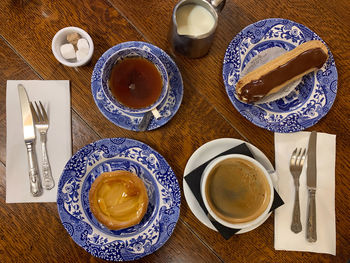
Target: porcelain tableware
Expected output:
[163,192]
[132,52]
[208,151]
[303,107]
[167,108]
[60,38]
[204,181]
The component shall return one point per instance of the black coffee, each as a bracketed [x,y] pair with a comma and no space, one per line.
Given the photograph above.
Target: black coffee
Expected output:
[237,191]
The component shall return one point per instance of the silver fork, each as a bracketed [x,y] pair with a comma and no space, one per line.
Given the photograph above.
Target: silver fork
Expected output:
[296,166]
[42,125]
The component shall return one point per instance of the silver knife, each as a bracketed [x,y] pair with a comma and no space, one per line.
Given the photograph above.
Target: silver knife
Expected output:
[29,139]
[311,172]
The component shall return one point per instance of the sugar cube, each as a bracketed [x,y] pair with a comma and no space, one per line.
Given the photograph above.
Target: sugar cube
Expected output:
[73,38]
[83,45]
[81,54]
[67,51]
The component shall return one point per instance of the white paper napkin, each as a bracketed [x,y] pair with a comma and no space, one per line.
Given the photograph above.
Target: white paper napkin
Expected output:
[285,239]
[55,96]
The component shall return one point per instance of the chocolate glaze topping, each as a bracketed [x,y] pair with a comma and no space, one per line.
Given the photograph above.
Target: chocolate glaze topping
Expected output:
[257,89]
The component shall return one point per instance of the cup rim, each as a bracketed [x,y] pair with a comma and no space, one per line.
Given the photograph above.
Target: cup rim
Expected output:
[218,219]
[162,71]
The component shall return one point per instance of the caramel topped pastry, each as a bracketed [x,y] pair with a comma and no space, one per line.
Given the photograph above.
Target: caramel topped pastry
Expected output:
[274,75]
[118,199]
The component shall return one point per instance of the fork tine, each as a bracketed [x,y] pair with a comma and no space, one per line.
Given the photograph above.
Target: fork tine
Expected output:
[299,151]
[43,111]
[297,159]
[35,115]
[302,158]
[40,116]
[297,162]
[293,157]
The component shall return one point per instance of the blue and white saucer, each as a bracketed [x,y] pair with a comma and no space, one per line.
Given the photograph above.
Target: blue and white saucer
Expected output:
[162,188]
[303,107]
[130,121]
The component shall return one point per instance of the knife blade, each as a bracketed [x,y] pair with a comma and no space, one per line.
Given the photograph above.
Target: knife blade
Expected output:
[311,182]
[29,140]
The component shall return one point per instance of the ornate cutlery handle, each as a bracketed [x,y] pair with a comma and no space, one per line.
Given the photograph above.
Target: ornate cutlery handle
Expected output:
[49,182]
[145,121]
[296,224]
[311,234]
[34,178]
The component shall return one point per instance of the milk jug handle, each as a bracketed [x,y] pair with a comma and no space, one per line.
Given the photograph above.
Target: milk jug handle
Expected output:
[217,4]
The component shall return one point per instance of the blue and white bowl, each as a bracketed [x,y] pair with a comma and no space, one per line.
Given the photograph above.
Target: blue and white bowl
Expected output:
[118,56]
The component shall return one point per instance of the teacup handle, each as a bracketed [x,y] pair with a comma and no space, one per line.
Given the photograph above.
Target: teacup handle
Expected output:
[156,113]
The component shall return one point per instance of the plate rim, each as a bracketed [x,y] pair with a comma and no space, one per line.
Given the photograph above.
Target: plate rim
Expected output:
[176,186]
[264,124]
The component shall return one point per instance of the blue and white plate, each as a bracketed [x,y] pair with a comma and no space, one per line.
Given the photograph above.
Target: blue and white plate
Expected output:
[118,154]
[130,121]
[303,107]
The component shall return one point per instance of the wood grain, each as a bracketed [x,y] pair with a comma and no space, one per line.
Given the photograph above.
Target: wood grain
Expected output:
[328,22]
[31,232]
[205,114]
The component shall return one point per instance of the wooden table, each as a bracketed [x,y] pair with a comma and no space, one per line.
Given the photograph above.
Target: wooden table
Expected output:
[34,233]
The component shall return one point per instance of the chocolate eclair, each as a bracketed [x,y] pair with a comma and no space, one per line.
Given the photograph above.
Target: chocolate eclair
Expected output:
[271,77]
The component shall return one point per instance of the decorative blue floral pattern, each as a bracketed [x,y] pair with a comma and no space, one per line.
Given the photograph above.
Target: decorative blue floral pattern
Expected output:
[130,121]
[162,189]
[303,107]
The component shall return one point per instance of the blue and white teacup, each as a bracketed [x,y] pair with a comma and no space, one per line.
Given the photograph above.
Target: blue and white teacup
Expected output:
[134,52]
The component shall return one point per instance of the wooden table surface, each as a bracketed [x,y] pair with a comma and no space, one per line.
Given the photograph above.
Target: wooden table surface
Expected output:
[34,233]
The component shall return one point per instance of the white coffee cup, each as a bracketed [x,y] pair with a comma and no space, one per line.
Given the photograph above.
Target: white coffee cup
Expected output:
[258,171]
